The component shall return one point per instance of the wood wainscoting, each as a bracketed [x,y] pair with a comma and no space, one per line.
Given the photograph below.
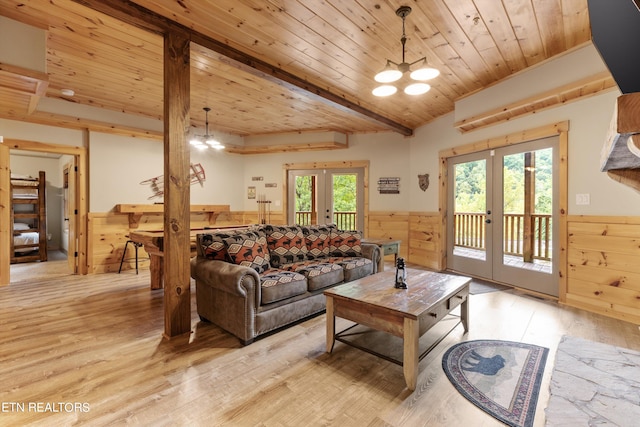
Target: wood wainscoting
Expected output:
[108,233]
[604,265]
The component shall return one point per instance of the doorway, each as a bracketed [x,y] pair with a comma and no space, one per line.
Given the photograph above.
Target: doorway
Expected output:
[504,225]
[327,196]
[77,244]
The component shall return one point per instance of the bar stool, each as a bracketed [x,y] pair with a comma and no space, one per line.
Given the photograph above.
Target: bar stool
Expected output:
[136,246]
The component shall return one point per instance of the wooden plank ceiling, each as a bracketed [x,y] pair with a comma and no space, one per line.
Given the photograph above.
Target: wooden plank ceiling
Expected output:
[336,45]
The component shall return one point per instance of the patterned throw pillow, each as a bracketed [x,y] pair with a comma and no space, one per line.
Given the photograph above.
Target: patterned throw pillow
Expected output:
[346,243]
[286,244]
[213,245]
[249,249]
[318,240]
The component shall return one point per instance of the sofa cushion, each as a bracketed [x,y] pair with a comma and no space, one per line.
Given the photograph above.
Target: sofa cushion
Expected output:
[346,243]
[278,284]
[249,249]
[286,244]
[354,267]
[321,274]
[318,240]
[213,246]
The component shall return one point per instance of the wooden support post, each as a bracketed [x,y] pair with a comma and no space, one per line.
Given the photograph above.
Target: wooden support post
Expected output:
[5,220]
[177,247]
[529,205]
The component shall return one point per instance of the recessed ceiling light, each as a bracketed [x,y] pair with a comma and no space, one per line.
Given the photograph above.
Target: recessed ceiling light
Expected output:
[67,92]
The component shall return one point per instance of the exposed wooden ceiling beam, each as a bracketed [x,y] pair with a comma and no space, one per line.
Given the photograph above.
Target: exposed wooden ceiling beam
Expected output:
[140,17]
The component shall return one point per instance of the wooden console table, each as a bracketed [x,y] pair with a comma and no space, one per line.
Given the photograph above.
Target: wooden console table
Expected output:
[135,212]
[387,247]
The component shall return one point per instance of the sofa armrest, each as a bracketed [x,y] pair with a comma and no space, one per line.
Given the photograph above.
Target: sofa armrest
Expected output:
[371,251]
[231,278]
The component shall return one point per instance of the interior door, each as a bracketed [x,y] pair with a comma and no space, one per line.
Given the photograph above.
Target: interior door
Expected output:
[503,223]
[327,196]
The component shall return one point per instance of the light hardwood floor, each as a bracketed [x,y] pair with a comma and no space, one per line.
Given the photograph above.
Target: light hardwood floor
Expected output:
[96,340]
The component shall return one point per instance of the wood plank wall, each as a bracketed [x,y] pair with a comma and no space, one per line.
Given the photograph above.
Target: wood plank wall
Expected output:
[108,233]
[390,226]
[603,252]
[425,242]
[604,265]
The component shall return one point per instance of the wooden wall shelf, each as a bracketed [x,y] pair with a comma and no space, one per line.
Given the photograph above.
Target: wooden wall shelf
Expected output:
[136,212]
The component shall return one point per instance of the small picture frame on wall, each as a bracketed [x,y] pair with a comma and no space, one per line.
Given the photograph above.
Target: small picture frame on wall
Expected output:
[251,192]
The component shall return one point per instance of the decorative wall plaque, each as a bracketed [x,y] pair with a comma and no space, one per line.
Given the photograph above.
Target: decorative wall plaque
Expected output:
[389,185]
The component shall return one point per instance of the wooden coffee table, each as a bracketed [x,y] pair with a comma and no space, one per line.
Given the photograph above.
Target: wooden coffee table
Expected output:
[373,301]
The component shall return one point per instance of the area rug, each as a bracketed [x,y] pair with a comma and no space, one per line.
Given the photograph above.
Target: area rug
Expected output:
[500,377]
[594,384]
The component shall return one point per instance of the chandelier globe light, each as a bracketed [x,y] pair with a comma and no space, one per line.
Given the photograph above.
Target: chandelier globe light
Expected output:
[393,71]
[205,141]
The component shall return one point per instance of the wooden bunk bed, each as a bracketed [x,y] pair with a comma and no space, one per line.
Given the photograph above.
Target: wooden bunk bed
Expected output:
[28,218]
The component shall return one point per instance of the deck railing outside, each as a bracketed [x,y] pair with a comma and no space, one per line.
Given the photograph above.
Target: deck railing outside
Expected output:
[343,220]
[470,232]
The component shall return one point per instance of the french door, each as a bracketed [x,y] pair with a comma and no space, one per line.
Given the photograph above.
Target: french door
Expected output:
[503,224]
[327,196]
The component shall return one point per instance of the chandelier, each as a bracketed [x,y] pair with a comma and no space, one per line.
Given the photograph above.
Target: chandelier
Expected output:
[393,71]
[205,141]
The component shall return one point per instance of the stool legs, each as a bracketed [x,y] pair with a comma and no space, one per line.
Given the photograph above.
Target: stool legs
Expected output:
[124,253]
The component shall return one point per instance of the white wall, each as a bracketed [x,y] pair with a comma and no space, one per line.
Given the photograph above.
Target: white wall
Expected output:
[388,154]
[118,165]
[40,133]
[23,45]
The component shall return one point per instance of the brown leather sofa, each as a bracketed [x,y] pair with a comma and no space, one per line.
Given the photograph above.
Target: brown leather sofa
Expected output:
[254,281]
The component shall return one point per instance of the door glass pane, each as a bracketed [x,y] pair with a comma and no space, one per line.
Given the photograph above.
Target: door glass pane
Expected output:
[305,200]
[345,197]
[527,208]
[470,207]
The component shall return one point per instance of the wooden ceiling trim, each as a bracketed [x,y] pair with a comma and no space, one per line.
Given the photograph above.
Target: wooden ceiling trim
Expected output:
[558,96]
[70,122]
[286,148]
[506,140]
[25,84]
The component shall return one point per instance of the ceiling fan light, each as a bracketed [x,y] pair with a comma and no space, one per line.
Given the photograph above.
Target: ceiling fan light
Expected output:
[417,89]
[424,73]
[212,142]
[388,75]
[196,142]
[384,90]
[218,147]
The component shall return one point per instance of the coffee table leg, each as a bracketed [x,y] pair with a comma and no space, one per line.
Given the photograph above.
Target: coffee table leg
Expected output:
[464,314]
[331,325]
[410,355]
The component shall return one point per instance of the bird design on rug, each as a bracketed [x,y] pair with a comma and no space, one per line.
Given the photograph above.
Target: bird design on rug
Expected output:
[475,362]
